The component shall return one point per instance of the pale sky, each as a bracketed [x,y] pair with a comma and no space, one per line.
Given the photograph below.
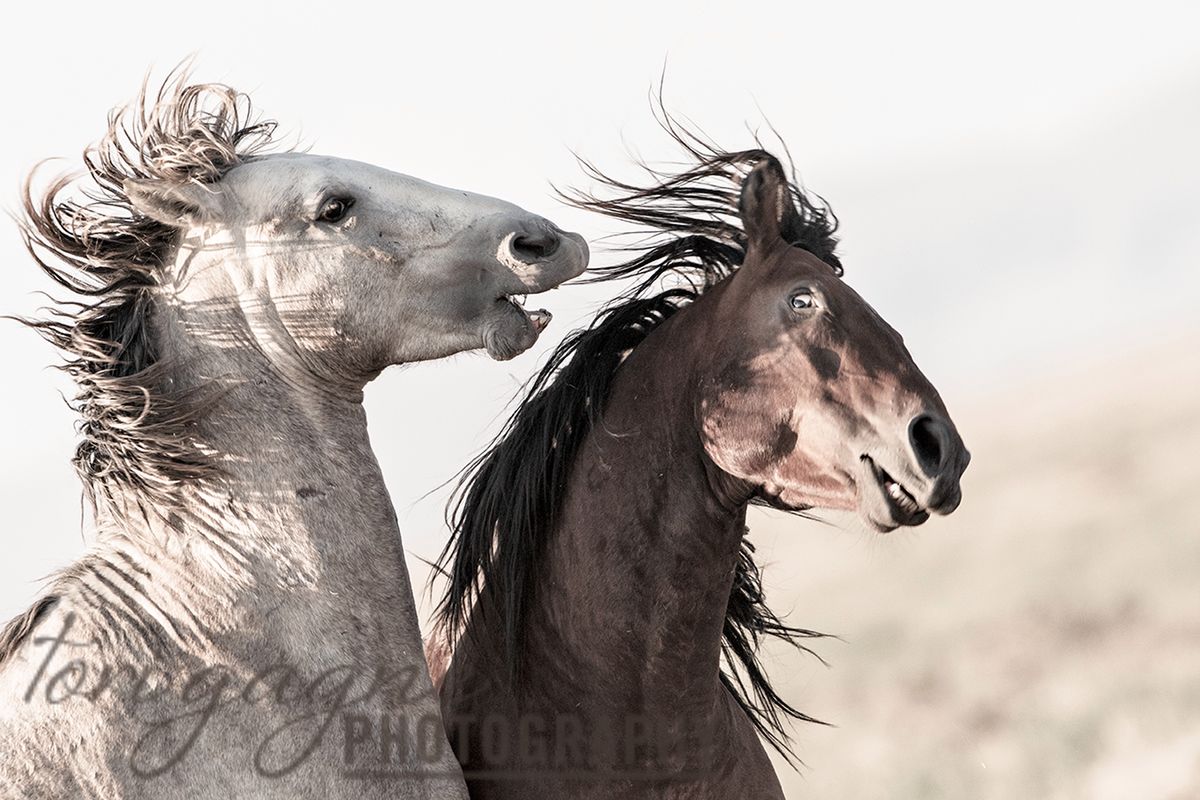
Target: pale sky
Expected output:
[1019,186]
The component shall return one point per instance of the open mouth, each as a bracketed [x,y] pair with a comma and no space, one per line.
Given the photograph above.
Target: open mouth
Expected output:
[902,507]
[539,318]
[511,329]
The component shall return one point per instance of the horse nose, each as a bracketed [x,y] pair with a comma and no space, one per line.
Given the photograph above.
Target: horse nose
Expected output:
[536,246]
[933,443]
[542,255]
[941,456]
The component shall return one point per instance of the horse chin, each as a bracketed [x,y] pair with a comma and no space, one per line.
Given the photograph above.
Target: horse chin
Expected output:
[884,518]
[510,329]
[779,504]
[784,499]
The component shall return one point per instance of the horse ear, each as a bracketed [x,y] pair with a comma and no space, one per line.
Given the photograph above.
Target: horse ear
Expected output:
[765,206]
[178,204]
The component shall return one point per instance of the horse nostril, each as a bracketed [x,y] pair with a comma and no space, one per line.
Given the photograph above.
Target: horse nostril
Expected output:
[930,438]
[536,246]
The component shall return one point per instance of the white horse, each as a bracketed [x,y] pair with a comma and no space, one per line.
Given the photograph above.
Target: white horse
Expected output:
[244,626]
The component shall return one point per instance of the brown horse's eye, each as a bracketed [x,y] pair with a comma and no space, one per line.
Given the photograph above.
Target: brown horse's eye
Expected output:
[803,300]
[335,209]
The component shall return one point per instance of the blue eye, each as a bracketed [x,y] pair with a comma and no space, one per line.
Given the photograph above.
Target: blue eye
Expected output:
[803,300]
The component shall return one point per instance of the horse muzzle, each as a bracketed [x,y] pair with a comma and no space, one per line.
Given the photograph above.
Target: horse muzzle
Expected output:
[534,255]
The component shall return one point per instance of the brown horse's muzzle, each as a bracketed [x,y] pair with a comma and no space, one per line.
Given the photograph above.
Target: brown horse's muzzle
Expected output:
[941,457]
[929,483]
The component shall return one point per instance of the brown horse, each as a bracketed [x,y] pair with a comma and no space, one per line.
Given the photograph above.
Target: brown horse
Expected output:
[599,575]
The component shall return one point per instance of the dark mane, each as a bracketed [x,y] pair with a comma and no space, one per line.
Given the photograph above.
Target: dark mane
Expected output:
[86,235]
[508,499]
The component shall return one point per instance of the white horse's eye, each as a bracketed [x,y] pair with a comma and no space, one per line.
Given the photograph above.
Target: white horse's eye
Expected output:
[803,300]
[335,209]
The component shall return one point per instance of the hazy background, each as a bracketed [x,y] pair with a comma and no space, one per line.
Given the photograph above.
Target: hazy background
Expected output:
[1020,194]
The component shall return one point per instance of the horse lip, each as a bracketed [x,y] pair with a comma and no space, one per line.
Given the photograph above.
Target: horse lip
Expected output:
[901,506]
[538,318]
[948,501]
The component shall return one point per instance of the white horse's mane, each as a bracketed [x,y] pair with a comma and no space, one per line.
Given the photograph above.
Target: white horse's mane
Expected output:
[85,233]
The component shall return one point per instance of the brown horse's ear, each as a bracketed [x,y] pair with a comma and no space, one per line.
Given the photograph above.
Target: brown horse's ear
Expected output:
[181,205]
[766,208]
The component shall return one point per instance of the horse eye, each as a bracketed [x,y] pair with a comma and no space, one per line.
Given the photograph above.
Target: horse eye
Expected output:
[335,209]
[803,300]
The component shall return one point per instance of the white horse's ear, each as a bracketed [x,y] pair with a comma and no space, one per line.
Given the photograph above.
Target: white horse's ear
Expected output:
[181,205]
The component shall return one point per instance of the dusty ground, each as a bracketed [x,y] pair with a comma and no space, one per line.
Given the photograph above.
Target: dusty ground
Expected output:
[1044,642]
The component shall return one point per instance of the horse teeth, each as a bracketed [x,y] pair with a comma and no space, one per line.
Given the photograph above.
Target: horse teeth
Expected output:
[901,497]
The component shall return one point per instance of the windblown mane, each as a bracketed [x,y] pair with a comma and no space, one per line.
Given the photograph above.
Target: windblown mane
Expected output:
[508,500]
[135,436]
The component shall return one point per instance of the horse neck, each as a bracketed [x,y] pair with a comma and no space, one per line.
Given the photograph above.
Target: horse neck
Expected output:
[297,523]
[641,566]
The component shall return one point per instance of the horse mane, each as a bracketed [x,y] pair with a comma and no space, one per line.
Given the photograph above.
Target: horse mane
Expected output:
[17,629]
[83,231]
[508,499]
